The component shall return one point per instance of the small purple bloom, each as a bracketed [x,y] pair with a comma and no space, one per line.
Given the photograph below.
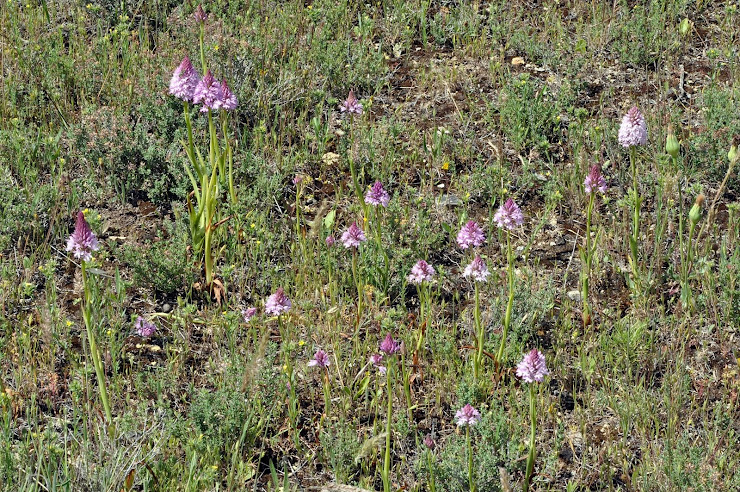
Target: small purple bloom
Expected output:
[184,80]
[144,328]
[278,303]
[376,360]
[633,130]
[477,269]
[421,272]
[82,242]
[470,235]
[467,415]
[594,181]
[200,15]
[532,367]
[330,241]
[351,105]
[353,236]
[249,313]
[509,215]
[376,195]
[320,359]
[389,346]
[207,92]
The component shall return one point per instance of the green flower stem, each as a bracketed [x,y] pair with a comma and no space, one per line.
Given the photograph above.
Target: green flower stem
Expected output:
[471,481]
[510,303]
[432,485]
[360,289]
[327,392]
[635,215]
[479,334]
[97,363]
[386,260]
[533,418]
[586,274]
[386,475]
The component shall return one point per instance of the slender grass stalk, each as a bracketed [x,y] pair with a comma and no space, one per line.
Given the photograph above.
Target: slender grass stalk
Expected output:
[480,334]
[588,258]
[471,478]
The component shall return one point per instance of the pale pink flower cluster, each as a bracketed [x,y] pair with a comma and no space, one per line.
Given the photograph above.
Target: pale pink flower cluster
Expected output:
[353,237]
[532,368]
[633,130]
[467,415]
[470,234]
[421,272]
[376,195]
[509,215]
[477,269]
[278,303]
[187,84]
[594,181]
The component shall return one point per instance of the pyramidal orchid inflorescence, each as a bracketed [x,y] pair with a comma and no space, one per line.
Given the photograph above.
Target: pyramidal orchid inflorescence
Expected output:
[225,99]
[351,105]
[470,234]
[353,236]
[376,195]
[633,130]
[144,328]
[421,272]
[320,359]
[389,346]
[278,303]
[594,181]
[200,14]
[477,270]
[184,80]
[248,314]
[509,215]
[467,416]
[532,368]
[207,91]
[82,242]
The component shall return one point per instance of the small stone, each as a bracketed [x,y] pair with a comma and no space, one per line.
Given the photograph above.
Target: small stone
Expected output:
[574,295]
[166,308]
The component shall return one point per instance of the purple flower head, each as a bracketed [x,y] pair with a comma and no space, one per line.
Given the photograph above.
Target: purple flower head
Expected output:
[320,359]
[429,442]
[207,92]
[144,328]
[477,269]
[353,236]
[184,80]
[509,215]
[278,303]
[200,14]
[376,360]
[532,367]
[421,272]
[82,242]
[224,98]
[633,130]
[470,235]
[594,181]
[330,241]
[351,105]
[376,195]
[389,346]
[248,313]
[467,415]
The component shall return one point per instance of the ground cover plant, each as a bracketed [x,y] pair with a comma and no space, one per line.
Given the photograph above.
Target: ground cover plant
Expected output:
[395,245]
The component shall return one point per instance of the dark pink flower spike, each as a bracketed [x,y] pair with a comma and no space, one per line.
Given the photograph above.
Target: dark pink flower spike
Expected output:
[144,328]
[389,346]
[594,181]
[376,195]
[320,359]
[351,105]
[353,236]
[82,242]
